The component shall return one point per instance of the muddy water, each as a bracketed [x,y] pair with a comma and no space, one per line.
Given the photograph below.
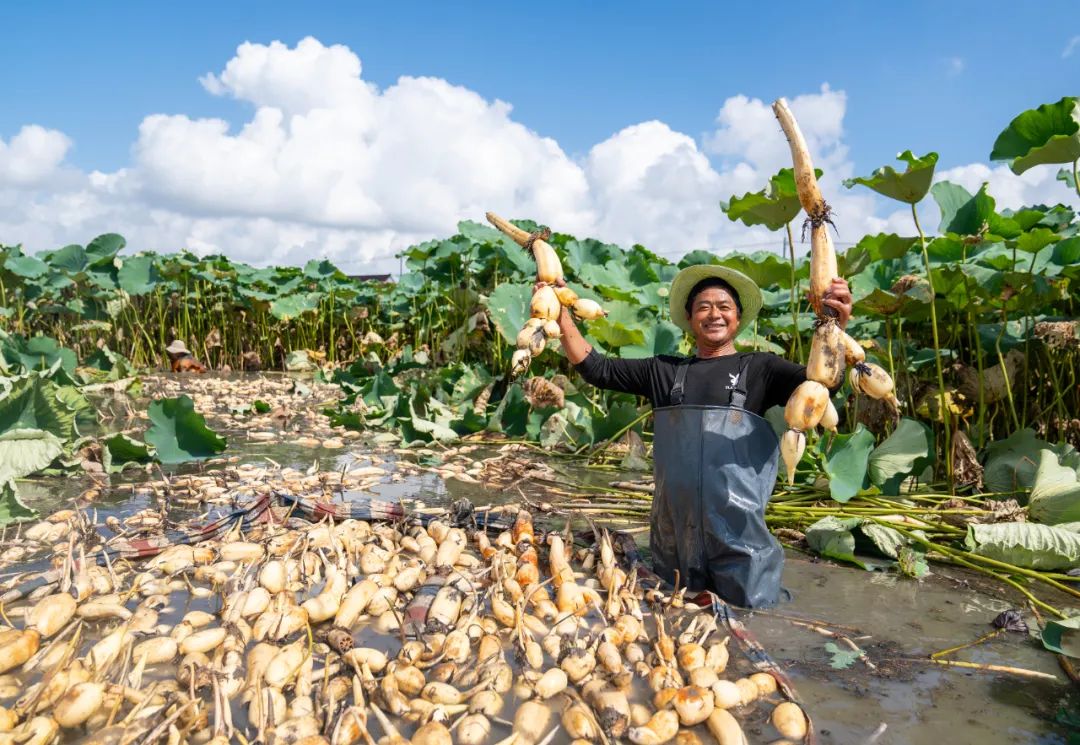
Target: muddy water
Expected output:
[892,618]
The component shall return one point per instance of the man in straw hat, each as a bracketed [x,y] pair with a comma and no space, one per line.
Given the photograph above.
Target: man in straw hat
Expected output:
[715,457]
[181,359]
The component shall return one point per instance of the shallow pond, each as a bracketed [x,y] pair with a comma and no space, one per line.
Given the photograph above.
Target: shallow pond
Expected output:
[893,696]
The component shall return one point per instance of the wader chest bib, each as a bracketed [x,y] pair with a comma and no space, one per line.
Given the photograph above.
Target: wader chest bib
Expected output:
[715,471]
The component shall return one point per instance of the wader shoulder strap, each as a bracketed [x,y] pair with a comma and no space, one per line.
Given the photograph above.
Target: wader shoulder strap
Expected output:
[680,381]
[738,395]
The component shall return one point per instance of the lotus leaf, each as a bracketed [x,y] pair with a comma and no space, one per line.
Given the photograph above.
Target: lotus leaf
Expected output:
[11,507]
[1048,134]
[179,434]
[910,186]
[1055,493]
[34,402]
[125,451]
[138,275]
[846,462]
[1063,637]
[905,452]
[26,451]
[774,206]
[1026,545]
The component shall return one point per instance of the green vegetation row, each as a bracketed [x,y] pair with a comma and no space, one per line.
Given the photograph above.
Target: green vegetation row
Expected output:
[976,324]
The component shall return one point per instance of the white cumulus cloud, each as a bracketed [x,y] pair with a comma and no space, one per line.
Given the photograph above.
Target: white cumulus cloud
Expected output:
[329,165]
[33,155]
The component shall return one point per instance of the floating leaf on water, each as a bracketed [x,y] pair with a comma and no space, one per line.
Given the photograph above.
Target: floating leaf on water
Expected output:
[126,451]
[1063,637]
[840,659]
[179,433]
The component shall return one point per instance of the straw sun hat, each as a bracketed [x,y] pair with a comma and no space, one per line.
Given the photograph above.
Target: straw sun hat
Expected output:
[177,347]
[749,293]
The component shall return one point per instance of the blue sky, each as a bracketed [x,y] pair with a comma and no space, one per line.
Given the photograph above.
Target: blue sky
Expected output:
[924,75]
[920,75]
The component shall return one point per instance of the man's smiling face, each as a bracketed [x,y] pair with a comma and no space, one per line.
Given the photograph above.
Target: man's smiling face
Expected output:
[714,318]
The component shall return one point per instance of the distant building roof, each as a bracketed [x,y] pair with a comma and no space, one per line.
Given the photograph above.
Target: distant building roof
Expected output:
[371,277]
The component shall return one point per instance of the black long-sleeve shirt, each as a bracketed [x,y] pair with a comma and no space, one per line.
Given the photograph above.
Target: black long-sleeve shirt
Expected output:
[770,379]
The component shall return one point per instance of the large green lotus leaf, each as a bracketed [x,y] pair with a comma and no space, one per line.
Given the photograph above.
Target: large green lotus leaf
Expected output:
[126,451]
[1055,493]
[1063,637]
[37,353]
[764,267]
[1036,239]
[774,206]
[468,386]
[569,428]
[179,433]
[832,537]
[1067,252]
[11,507]
[138,275]
[424,420]
[587,252]
[945,249]
[910,186]
[903,453]
[70,259]
[618,415]
[33,403]
[26,451]
[480,233]
[622,326]
[962,212]
[1026,545]
[104,248]
[885,540]
[752,340]
[885,303]
[874,248]
[294,306]
[511,416]
[27,267]
[1048,134]
[1010,464]
[508,307]
[72,397]
[1066,175]
[661,337]
[613,334]
[612,280]
[698,256]
[323,269]
[846,463]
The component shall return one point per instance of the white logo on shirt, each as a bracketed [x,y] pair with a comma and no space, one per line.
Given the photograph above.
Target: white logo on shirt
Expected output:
[734,381]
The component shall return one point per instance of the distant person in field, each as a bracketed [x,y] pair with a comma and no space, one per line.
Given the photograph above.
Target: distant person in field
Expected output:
[182,360]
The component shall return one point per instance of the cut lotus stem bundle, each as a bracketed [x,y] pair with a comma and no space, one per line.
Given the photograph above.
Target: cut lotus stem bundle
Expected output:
[549,298]
[831,350]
